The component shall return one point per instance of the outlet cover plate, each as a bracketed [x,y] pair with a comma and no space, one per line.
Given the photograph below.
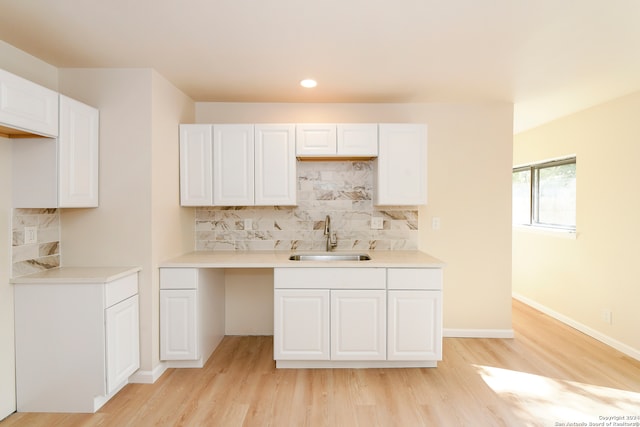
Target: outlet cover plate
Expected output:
[30,235]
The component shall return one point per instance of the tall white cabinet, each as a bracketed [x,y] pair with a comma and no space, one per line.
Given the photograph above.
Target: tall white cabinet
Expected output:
[77,337]
[237,165]
[233,172]
[77,154]
[401,166]
[275,165]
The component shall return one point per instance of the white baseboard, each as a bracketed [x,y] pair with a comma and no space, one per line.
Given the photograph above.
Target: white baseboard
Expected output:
[622,347]
[148,377]
[477,333]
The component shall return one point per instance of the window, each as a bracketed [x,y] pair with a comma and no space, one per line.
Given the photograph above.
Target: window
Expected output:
[544,194]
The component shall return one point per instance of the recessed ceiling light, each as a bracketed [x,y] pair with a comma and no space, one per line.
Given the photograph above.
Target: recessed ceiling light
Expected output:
[308,83]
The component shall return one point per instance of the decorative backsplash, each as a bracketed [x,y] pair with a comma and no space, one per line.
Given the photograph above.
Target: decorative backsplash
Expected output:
[341,189]
[45,253]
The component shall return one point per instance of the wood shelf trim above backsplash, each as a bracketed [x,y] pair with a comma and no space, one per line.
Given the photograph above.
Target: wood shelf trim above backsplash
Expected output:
[335,158]
[7,132]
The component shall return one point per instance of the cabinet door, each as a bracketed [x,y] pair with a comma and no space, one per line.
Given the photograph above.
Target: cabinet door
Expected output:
[233,171]
[78,154]
[275,165]
[123,348]
[178,324]
[301,326]
[196,167]
[415,325]
[27,106]
[358,140]
[358,325]
[401,166]
[316,139]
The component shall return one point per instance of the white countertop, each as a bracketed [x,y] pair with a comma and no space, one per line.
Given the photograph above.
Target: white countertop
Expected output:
[273,259]
[77,275]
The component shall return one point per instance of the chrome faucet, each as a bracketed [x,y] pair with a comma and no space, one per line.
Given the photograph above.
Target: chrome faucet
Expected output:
[332,239]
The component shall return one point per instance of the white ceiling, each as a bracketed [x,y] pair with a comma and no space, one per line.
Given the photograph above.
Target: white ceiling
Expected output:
[549,57]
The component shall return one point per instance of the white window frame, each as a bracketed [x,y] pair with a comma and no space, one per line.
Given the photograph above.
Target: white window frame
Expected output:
[534,169]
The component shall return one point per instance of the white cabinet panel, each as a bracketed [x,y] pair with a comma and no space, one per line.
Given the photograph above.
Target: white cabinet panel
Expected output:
[414,278]
[358,140]
[73,352]
[401,166]
[196,167]
[123,350]
[330,278]
[414,325]
[233,170]
[178,324]
[275,165]
[358,325]
[301,324]
[27,106]
[78,154]
[316,139]
[62,172]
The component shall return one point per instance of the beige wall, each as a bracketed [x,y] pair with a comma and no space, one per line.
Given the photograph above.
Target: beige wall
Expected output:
[172,227]
[29,67]
[135,224]
[7,349]
[578,278]
[470,154]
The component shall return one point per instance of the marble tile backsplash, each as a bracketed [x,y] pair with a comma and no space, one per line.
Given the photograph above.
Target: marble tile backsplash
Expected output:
[341,189]
[45,253]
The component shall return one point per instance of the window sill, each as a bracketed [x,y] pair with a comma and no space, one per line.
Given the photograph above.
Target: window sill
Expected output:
[547,231]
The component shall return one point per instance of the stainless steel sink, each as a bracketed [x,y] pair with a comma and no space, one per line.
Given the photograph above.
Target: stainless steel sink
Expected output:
[330,257]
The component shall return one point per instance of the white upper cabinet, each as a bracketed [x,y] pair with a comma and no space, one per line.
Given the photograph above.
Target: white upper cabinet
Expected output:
[341,140]
[233,173]
[237,165]
[62,172]
[196,167]
[358,140]
[401,166]
[317,139]
[27,107]
[78,154]
[275,165]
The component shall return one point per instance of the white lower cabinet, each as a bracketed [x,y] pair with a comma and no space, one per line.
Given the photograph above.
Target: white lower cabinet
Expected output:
[414,325]
[178,324]
[192,315]
[357,317]
[358,324]
[76,343]
[301,324]
[123,337]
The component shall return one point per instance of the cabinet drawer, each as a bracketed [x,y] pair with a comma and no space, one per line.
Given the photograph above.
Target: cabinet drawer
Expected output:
[120,289]
[178,278]
[329,278]
[415,278]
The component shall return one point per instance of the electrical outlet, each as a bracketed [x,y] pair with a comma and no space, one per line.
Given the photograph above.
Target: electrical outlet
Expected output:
[606,316]
[248,224]
[377,223]
[30,235]
[435,223]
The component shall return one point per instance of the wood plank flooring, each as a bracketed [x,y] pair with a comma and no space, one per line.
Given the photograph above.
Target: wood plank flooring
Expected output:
[547,375]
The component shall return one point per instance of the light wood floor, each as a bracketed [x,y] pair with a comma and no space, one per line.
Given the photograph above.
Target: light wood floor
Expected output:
[549,374]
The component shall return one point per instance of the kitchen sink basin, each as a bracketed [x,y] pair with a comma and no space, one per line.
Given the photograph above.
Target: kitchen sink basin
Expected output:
[330,257]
